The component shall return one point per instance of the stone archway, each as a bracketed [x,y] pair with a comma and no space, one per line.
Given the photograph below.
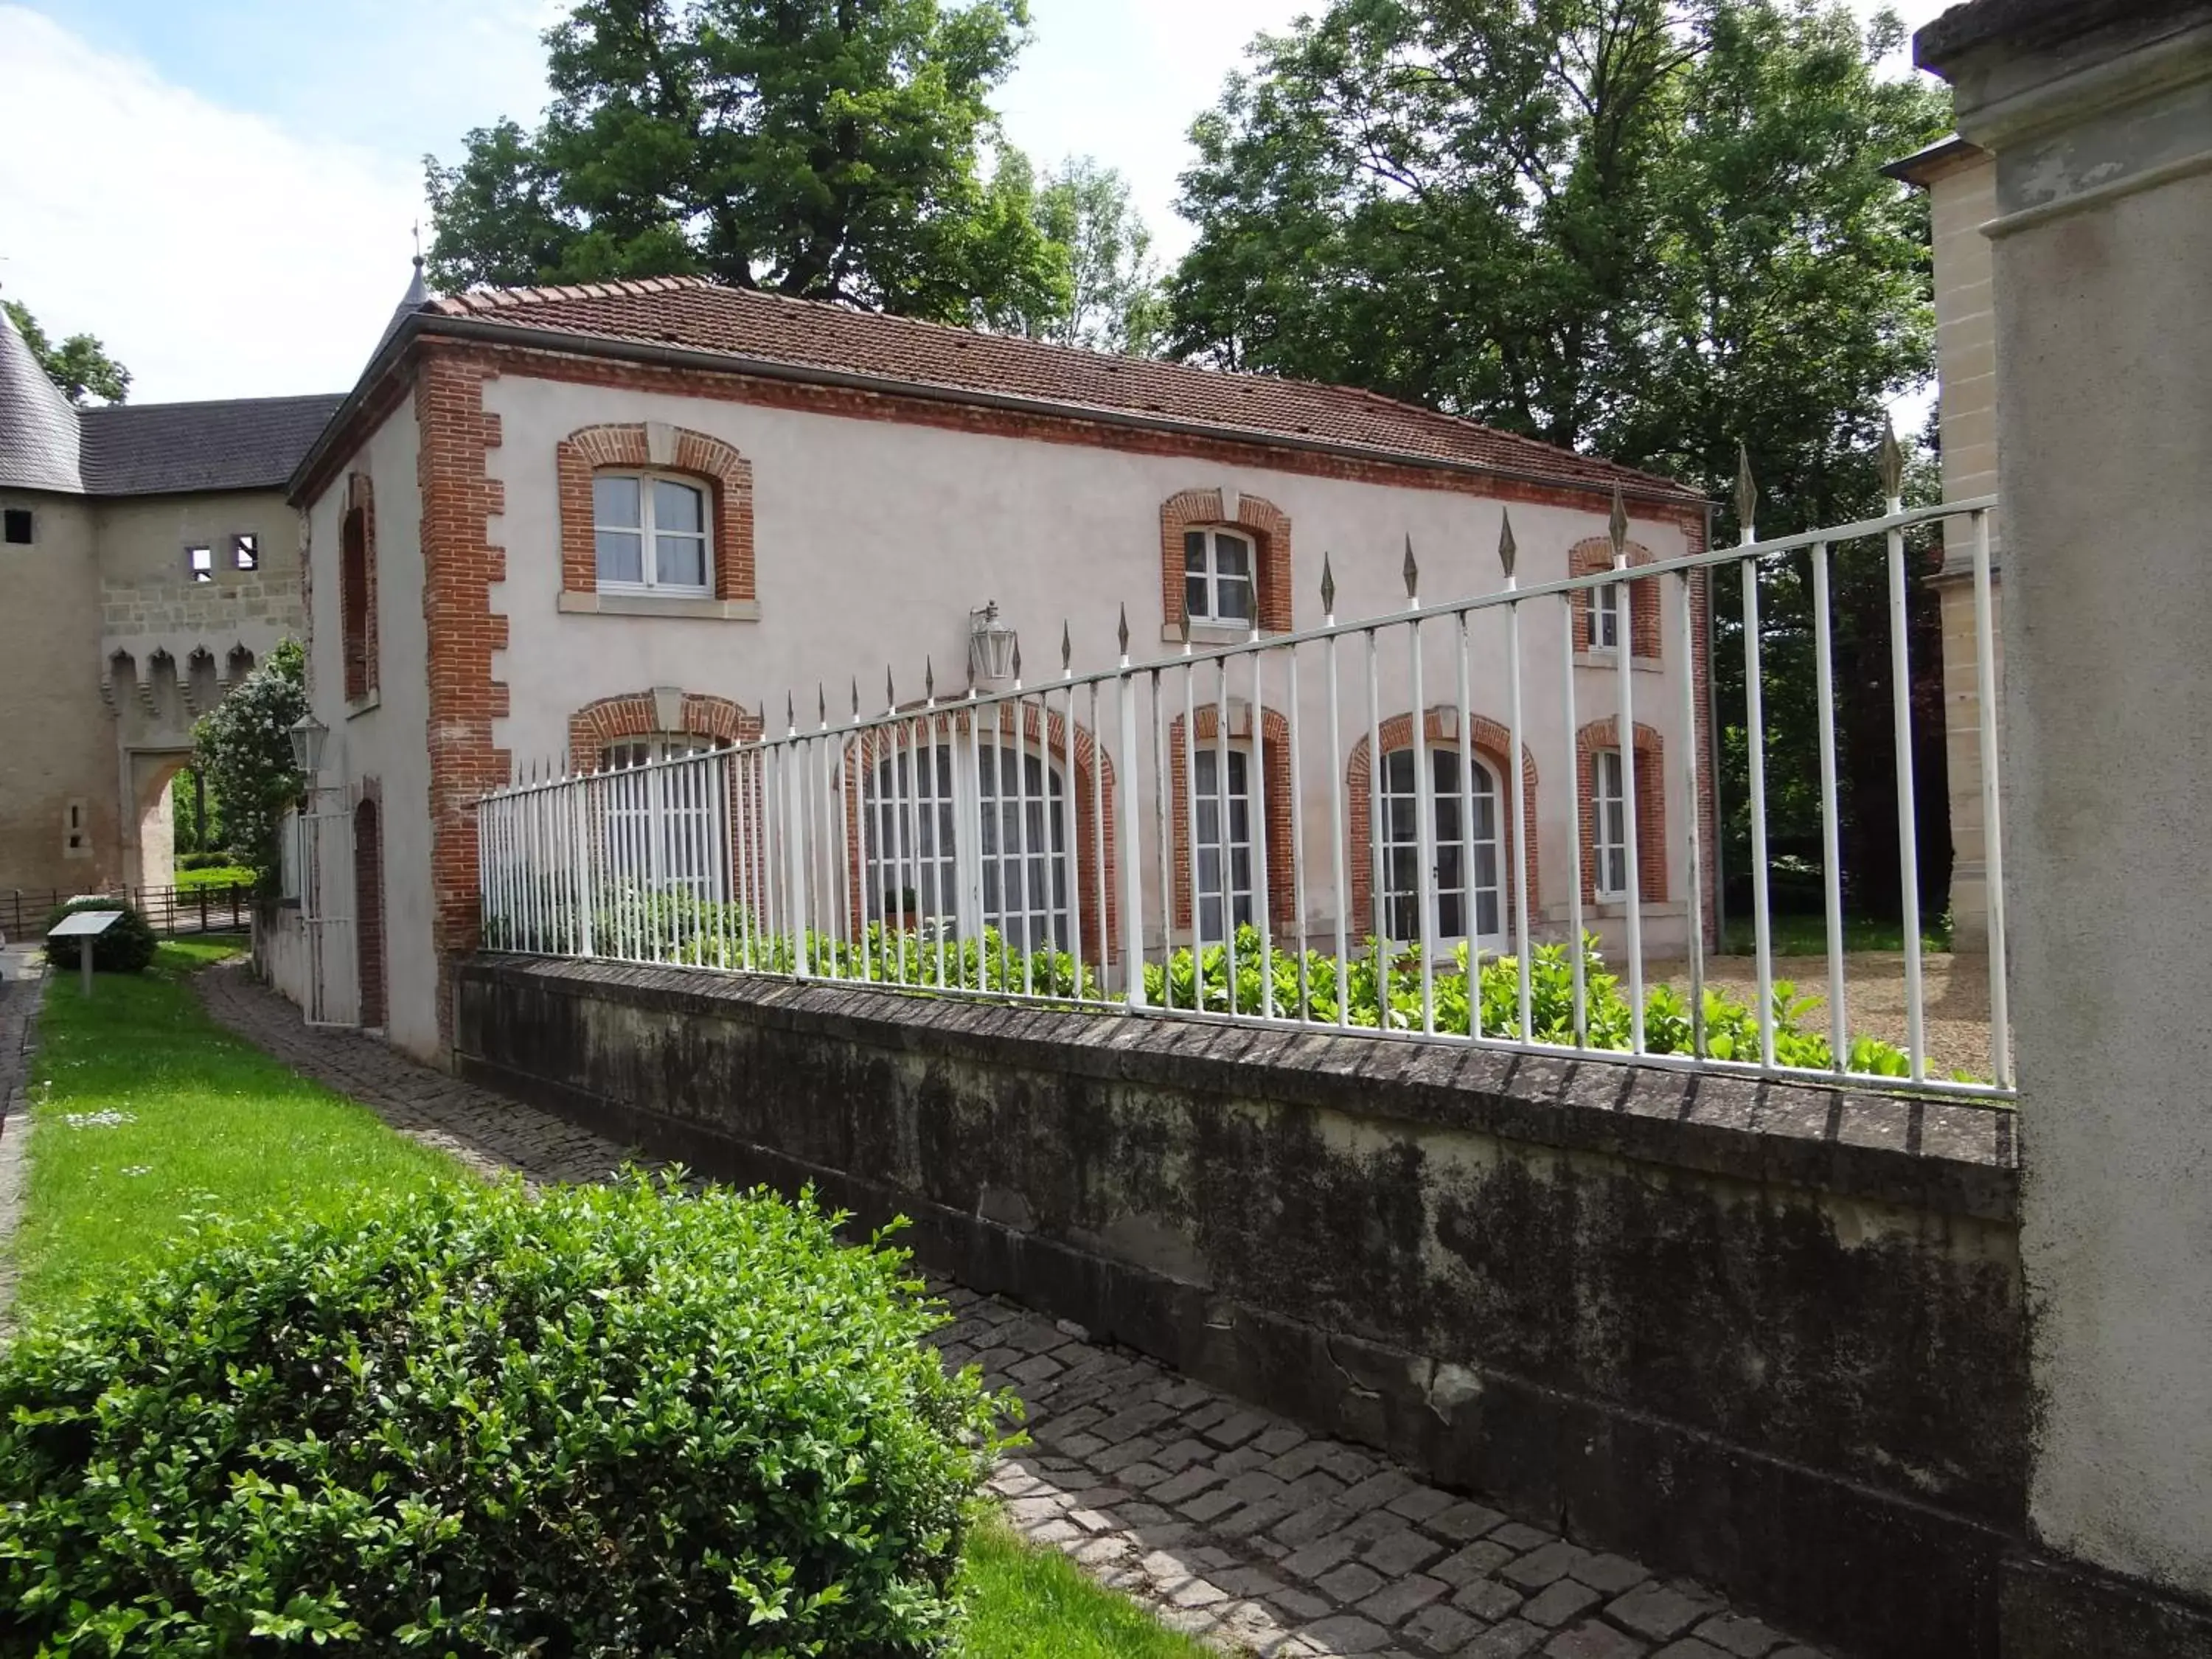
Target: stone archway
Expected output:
[149,849]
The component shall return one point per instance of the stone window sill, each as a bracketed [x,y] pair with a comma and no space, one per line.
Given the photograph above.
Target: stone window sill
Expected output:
[1610,661]
[357,707]
[653,604]
[1207,633]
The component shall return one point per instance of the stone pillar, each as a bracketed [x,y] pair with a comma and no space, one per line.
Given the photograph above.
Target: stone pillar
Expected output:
[2100,116]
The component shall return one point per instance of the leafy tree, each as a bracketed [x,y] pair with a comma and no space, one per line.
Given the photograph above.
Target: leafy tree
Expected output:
[80,365]
[1647,230]
[1116,302]
[831,150]
[244,746]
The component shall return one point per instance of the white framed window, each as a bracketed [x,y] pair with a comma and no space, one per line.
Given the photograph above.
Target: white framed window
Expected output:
[1610,844]
[1225,841]
[1217,577]
[651,533]
[1453,899]
[1605,617]
[961,841]
[199,563]
[245,550]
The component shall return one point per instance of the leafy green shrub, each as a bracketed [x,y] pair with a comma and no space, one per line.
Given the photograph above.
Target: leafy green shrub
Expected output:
[219,877]
[216,860]
[593,1421]
[126,948]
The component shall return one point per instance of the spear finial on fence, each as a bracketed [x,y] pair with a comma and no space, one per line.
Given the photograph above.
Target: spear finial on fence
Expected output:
[1413,573]
[1616,527]
[821,702]
[1122,631]
[1506,546]
[1747,493]
[1066,650]
[1328,589]
[1891,460]
[856,697]
[1017,662]
[929,679]
[891,696]
[790,713]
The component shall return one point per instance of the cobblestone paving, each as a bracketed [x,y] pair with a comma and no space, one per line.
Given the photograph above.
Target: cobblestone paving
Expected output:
[1228,1522]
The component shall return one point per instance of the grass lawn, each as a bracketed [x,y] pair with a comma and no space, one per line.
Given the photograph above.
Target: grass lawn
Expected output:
[1027,1603]
[147,1112]
[1808,936]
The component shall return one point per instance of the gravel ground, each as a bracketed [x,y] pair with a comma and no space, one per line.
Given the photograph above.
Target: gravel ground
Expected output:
[1956,990]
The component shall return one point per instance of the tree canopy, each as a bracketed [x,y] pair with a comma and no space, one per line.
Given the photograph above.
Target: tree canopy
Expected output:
[243,747]
[1114,301]
[1649,230]
[831,150]
[80,365]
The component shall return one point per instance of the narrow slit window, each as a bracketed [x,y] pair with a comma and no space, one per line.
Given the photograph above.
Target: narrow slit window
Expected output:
[245,551]
[200,563]
[1605,617]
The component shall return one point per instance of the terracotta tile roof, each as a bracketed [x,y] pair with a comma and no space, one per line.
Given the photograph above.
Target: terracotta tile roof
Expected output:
[694,314]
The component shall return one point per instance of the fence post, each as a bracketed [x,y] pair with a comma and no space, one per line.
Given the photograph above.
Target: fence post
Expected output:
[1132,892]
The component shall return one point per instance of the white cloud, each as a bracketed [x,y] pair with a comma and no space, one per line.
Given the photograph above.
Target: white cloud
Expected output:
[216,254]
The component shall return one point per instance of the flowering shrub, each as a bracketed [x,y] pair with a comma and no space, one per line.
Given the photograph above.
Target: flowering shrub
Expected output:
[244,747]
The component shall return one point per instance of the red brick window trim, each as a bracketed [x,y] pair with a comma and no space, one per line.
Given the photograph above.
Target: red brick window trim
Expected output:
[1595,554]
[1046,737]
[1271,808]
[1492,743]
[1265,525]
[675,451]
[1650,806]
[357,586]
[597,725]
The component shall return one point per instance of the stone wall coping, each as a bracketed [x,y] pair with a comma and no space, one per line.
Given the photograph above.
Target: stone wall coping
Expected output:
[1948,1157]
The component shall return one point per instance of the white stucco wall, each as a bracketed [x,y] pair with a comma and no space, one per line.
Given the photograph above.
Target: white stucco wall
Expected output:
[385,738]
[873,540]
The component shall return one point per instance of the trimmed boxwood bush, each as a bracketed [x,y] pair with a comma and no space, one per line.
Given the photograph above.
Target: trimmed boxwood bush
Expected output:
[613,1420]
[126,948]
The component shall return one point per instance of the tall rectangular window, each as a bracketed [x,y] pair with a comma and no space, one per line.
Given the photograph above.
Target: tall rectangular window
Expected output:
[1611,843]
[1217,577]
[1225,844]
[1605,618]
[245,550]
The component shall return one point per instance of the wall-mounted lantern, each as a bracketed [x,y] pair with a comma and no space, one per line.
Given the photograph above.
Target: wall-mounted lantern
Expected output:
[991,644]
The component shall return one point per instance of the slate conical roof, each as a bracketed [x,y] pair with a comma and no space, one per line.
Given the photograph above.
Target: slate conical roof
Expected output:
[38,435]
[417,296]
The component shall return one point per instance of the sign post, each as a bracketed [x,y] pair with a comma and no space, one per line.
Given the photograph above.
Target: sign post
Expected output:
[85,926]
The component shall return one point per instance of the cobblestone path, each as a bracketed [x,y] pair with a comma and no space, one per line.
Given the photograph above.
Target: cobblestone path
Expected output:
[1228,1522]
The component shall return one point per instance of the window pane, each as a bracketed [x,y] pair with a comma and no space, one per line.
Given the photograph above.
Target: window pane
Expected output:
[1195,597]
[1233,555]
[679,561]
[615,502]
[1194,549]
[622,556]
[1236,600]
[676,506]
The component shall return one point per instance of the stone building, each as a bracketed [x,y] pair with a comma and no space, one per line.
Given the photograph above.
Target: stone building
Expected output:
[1961,179]
[148,559]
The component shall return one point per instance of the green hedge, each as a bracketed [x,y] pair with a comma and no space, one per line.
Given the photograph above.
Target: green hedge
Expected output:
[605,1420]
[126,948]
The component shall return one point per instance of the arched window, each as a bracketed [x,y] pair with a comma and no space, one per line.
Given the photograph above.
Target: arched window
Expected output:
[662,823]
[1610,845]
[958,841]
[357,589]
[650,534]
[1467,862]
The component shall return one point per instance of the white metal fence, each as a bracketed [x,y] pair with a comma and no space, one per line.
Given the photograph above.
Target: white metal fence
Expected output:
[1317,828]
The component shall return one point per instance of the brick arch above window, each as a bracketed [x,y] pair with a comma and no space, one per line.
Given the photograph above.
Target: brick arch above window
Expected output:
[726,475]
[1594,553]
[646,714]
[1493,743]
[1274,807]
[1650,804]
[357,586]
[1267,524]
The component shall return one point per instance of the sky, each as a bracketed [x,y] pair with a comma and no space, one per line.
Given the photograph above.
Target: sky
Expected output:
[226,190]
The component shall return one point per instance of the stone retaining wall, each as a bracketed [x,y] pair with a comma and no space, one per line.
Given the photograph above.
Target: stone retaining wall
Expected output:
[1769,1336]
